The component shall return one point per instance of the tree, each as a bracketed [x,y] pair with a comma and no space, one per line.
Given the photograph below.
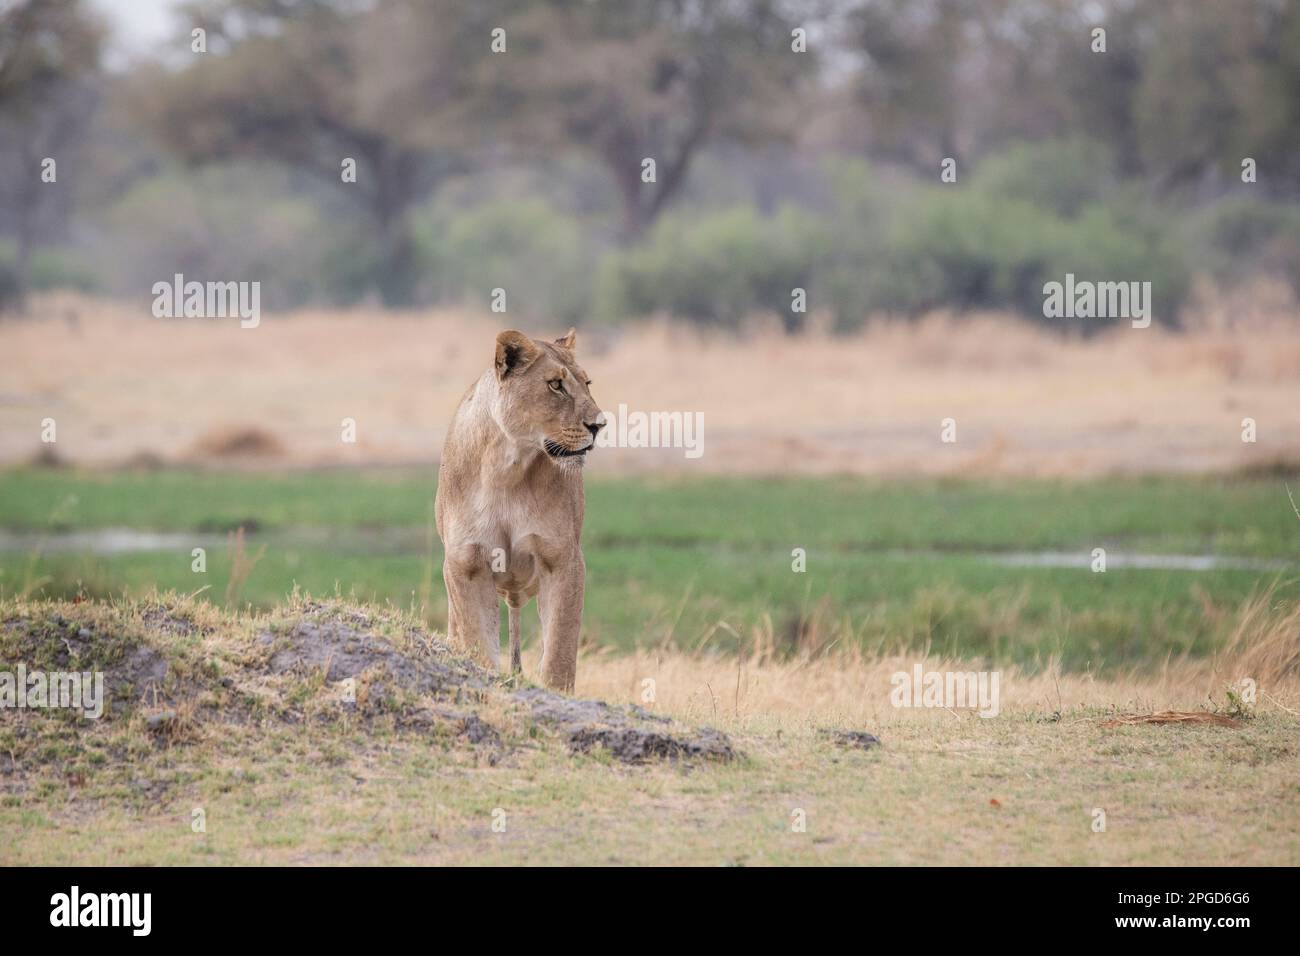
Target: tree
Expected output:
[655,79]
[946,79]
[1220,84]
[914,81]
[1180,94]
[49,58]
[312,83]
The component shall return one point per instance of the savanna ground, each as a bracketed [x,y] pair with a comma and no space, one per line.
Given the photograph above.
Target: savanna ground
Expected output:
[279,770]
[973,556]
[1026,401]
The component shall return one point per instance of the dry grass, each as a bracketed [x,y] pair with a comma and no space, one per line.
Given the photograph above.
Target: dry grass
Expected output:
[122,384]
[1173,717]
[846,686]
[241,565]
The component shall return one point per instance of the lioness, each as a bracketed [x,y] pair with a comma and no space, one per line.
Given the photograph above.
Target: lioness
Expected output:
[509,506]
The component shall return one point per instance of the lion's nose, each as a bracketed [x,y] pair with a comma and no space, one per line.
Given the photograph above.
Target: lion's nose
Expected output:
[594,427]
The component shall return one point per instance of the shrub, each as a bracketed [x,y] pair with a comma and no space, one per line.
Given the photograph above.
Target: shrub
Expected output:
[714,268]
[59,268]
[50,267]
[966,249]
[1238,238]
[1063,176]
[8,286]
[223,222]
[533,251]
[851,253]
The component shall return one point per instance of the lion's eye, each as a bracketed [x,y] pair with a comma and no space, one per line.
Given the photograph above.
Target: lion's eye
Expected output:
[556,385]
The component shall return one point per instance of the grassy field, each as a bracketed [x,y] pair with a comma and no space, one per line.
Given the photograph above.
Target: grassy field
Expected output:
[892,565]
[973,556]
[231,759]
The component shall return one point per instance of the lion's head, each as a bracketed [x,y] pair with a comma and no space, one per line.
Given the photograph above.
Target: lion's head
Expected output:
[544,397]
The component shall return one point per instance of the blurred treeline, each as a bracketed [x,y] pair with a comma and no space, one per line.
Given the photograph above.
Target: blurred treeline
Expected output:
[774,168]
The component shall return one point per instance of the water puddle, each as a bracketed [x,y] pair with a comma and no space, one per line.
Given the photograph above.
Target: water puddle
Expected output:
[109,541]
[1120,559]
[414,541]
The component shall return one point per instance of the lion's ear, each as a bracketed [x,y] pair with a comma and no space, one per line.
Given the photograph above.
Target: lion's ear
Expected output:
[569,340]
[515,351]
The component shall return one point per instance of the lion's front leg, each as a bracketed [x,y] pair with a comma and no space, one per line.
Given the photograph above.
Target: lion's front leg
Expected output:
[559,604]
[473,609]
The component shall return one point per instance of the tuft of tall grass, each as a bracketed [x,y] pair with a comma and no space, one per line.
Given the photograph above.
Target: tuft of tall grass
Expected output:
[241,566]
[829,677]
[1264,644]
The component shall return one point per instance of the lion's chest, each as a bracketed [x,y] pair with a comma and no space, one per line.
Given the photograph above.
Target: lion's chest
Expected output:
[522,536]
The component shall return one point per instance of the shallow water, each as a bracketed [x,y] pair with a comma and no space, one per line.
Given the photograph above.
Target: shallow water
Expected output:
[111,541]
[1122,559]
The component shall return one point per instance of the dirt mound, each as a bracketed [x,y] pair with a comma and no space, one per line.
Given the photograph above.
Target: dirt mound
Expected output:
[61,643]
[853,739]
[238,442]
[342,652]
[346,651]
[633,735]
[173,668]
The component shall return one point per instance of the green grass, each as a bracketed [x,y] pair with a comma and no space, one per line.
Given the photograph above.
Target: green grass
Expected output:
[1230,516]
[890,563]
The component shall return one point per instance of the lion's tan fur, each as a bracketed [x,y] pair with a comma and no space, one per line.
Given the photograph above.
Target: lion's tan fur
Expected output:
[509,511]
